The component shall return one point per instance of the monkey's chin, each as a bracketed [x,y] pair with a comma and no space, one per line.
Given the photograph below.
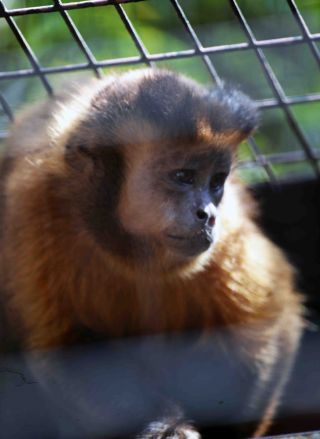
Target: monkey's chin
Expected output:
[190,246]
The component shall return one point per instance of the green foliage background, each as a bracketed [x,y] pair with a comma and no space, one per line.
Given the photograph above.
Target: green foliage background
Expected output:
[161,31]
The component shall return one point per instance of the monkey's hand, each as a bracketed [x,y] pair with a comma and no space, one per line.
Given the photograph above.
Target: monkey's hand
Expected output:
[170,429]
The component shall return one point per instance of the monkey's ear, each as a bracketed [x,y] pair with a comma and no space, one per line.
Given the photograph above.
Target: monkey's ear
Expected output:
[79,156]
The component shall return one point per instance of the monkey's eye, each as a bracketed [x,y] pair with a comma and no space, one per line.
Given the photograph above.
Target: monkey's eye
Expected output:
[184,176]
[217,181]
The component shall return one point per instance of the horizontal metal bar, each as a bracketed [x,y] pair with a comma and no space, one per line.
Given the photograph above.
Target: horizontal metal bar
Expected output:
[288,100]
[71,68]
[262,103]
[288,157]
[97,3]
[152,57]
[67,6]
[305,435]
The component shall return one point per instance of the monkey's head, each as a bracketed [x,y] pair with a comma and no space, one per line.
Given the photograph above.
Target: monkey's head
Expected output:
[155,150]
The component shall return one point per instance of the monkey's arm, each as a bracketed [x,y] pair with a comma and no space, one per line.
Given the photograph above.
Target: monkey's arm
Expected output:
[117,388]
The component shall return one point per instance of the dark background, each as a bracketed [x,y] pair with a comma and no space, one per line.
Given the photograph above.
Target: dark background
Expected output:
[290,215]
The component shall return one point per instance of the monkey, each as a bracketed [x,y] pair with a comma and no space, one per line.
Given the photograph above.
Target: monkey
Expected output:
[122,215]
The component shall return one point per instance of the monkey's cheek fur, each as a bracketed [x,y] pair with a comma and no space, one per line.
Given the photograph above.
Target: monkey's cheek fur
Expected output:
[191,245]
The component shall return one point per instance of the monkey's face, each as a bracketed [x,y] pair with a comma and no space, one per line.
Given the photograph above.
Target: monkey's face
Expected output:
[161,148]
[173,201]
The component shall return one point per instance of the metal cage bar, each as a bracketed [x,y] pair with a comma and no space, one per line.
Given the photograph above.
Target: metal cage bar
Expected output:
[26,48]
[6,108]
[276,88]
[145,57]
[78,38]
[278,100]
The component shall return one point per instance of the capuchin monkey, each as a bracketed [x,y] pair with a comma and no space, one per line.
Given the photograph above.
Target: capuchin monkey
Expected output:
[122,217]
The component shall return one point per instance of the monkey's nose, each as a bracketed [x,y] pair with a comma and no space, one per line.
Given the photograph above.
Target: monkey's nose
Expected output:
[206,217]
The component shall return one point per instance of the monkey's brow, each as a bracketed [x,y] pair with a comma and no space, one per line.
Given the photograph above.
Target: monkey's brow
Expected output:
[216,158]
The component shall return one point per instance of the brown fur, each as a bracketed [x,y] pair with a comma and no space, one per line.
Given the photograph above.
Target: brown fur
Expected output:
[58,277]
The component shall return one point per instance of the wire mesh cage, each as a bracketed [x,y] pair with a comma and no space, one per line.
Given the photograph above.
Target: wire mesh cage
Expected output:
[268,48]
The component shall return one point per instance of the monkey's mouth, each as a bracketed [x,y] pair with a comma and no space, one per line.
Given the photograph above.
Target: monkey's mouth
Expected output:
[192,244]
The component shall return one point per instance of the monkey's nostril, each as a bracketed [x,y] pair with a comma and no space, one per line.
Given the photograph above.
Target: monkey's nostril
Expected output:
[202,215]
[211,221]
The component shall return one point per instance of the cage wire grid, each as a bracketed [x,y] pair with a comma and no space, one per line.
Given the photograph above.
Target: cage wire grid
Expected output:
[257,46]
